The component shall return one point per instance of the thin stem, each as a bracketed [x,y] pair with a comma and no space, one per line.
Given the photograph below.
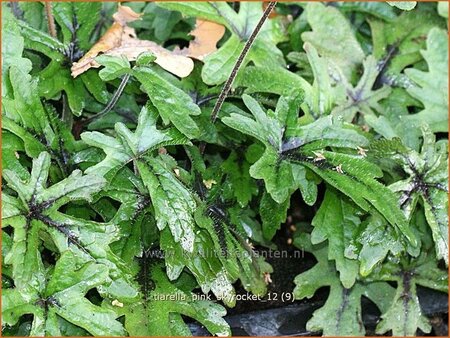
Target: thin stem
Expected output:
[112,102]
[50,18]
[226,88]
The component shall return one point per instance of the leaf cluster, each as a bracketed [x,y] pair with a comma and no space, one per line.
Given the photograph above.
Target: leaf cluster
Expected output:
[112,207]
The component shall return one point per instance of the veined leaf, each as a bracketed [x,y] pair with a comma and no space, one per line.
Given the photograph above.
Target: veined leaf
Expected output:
[432,86]
[404,316]
[64,295]
[333,37]
[362,99]
[172,103]
[341,314]
[39,212]
[159,312]
[131,146]
[427,178]
[336,221]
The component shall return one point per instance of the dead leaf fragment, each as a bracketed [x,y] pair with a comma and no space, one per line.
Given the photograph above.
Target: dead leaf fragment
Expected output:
[115,302]
[125,14]
[206,34]
[120,40]
[267,278]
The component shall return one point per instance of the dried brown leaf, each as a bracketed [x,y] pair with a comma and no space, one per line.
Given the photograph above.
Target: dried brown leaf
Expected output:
[206,34]
[121,40]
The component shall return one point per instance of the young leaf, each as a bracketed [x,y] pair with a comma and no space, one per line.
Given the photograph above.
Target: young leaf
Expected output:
[333,37]
[432,86]
[172,103]
[336,221]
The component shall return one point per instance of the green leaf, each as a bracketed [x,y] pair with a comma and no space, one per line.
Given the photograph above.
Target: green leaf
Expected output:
[172,103]
[427,178]
[64,296]
[341,313]
[432,86]
[272,215]
[77,20]
[442,9]
[160,311]
[242,186]
[336,221]
[398,43]
[357,181]
[12,49]
[404,316]
[377,9]
[206,10]
[403,5]
[40,213]
[280,177]
[56,78]
[115,66]
[270,80]
[333,37]
[361,98]
[377,240]
[131,146]
[264,52]
[277,175]
[323,95]
[174,205]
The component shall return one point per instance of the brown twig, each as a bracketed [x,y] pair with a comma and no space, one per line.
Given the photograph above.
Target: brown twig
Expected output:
[248,44]
[50,18]
[226,88]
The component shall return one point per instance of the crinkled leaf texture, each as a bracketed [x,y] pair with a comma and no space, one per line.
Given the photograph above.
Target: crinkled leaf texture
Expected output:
[404,315]
[432,86]
[188,235]
[36,209]
[290,147]
[159,312]
[333,37]
[55,78]
[427,179]
[341,314]
[64,296]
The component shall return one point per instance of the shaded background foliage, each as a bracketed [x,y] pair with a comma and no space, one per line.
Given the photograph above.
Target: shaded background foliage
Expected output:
[339,110]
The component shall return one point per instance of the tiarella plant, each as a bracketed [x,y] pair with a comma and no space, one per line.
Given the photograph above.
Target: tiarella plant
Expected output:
[122,200]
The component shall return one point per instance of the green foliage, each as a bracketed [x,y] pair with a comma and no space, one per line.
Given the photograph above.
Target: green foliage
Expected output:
[333,37]
[124,209]
[264,51]
[436,79]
